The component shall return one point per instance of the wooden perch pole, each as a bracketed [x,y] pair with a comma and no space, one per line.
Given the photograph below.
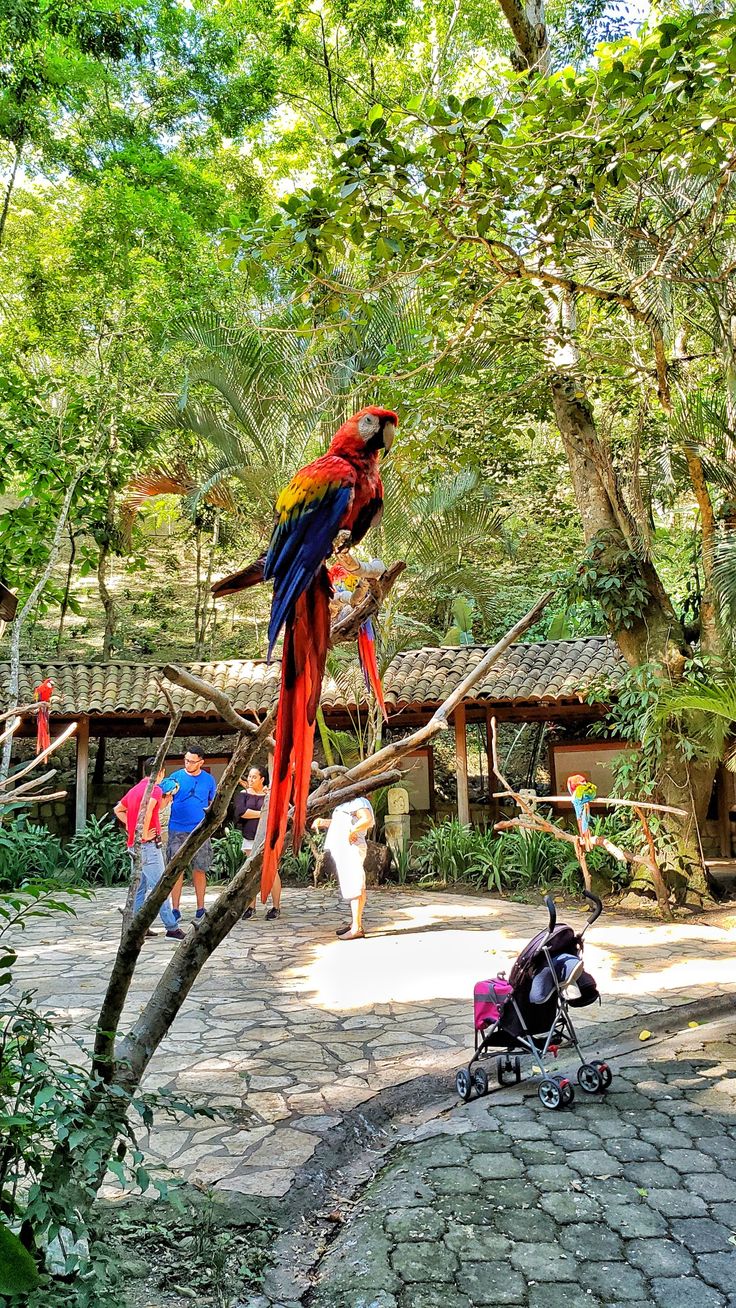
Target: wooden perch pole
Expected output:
[532,819]
[603,801]
[660,888]
[55,744]
[387,756]
[131,1057]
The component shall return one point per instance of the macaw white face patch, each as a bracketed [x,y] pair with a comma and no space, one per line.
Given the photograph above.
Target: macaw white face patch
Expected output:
[368,425]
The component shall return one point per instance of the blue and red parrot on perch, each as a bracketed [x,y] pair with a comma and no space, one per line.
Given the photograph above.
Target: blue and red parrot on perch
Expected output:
[581,791]
[344,583]
[340,492]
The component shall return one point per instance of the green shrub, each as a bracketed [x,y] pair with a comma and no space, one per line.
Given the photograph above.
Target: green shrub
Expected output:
[228,854]
[98,855]
[450,852]
[298,869]
[402,862]
[515,861]
[29,852]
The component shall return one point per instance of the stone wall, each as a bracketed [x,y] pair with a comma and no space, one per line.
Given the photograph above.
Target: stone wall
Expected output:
[123,759]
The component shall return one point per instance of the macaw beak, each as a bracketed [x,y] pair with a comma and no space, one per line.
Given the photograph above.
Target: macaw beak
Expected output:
[389,431]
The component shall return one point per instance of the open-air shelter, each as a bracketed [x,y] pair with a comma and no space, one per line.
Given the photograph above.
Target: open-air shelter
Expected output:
[544,682]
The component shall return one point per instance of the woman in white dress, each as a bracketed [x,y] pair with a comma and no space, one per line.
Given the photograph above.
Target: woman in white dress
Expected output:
[345,850]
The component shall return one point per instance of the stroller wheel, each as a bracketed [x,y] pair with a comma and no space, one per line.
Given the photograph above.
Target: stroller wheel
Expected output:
[463,1084]
[550,1093]
[568,1093]
[480,1081]
[504,1069]
[589,1078]
[517,1069]
[604,1072]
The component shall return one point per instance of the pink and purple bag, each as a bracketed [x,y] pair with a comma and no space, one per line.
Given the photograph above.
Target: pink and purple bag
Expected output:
[488,999]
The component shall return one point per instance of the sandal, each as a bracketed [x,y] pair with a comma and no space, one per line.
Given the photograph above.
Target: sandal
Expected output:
[359,935]
[343,930]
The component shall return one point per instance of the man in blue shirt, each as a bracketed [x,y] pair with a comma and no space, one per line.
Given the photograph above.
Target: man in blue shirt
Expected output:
[194,789]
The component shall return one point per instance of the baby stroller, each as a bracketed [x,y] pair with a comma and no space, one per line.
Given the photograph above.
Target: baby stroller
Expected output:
[530,1014]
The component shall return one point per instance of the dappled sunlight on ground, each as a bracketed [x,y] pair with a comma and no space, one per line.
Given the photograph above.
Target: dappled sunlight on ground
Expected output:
[287,1028]
[407,968]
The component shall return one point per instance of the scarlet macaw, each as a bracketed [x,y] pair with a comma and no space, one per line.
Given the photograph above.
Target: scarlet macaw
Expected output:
[581,791]
[345,581]
[340,491]
[42,694]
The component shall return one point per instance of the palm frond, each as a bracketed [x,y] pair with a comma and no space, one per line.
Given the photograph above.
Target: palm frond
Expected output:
[724,578]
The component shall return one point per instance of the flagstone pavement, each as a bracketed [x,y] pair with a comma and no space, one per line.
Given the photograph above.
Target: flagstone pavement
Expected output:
[288,1030]
[626,1200]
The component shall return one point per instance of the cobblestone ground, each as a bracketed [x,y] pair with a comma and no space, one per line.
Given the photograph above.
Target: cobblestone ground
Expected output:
[626,1200]
[287,1030]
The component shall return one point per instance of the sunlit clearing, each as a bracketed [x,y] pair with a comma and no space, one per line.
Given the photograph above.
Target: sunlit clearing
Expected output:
[418,960]
[408,968]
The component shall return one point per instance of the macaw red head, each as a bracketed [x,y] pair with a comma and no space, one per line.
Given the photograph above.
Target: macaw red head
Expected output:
[574,781]
[375,427]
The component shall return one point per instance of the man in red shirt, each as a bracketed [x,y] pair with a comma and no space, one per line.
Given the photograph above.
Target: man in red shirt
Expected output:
[152,859]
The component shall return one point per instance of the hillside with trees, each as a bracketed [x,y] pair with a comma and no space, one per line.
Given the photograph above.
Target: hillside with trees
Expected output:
[224,227]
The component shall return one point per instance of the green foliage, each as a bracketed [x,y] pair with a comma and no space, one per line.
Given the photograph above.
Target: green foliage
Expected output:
[694,715]
[228,854]
[610,576]
[225,1254]
[298,869]
[701,709]
[461,631]
[59,1125]
[98,855]
[450,852]
[28,851]
[511,863]
[401,862]
[18,1271]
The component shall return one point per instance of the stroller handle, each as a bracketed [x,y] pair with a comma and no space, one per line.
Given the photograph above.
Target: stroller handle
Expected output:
[596,910]
[549,901]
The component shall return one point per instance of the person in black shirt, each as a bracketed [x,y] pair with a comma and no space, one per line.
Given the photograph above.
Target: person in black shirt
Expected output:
[248,805]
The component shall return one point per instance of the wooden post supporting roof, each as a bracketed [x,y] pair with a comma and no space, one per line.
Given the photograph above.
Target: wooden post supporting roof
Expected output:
[82,773]
[492,782]
[461,760]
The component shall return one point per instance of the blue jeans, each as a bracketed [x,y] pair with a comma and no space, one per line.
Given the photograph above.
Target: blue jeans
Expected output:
[152,870]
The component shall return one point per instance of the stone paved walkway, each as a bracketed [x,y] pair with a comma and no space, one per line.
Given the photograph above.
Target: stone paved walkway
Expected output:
[627,1200]
[288,1030]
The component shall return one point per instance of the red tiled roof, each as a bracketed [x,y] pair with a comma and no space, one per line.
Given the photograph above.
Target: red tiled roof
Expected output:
[551,672]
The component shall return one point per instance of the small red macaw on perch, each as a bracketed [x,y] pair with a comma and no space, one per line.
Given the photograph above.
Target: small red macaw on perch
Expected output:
[42,695]
[339,492]
[344,580]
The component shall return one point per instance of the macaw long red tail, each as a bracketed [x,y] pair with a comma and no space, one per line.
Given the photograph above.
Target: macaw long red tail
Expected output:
[306,637]
[367,656]
[43,734]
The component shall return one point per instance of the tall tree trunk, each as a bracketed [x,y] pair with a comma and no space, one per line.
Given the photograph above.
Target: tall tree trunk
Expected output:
[9,189]
[67,588]
[198,593]
[655,634]
[103,565]
[108,604]
[209,606]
